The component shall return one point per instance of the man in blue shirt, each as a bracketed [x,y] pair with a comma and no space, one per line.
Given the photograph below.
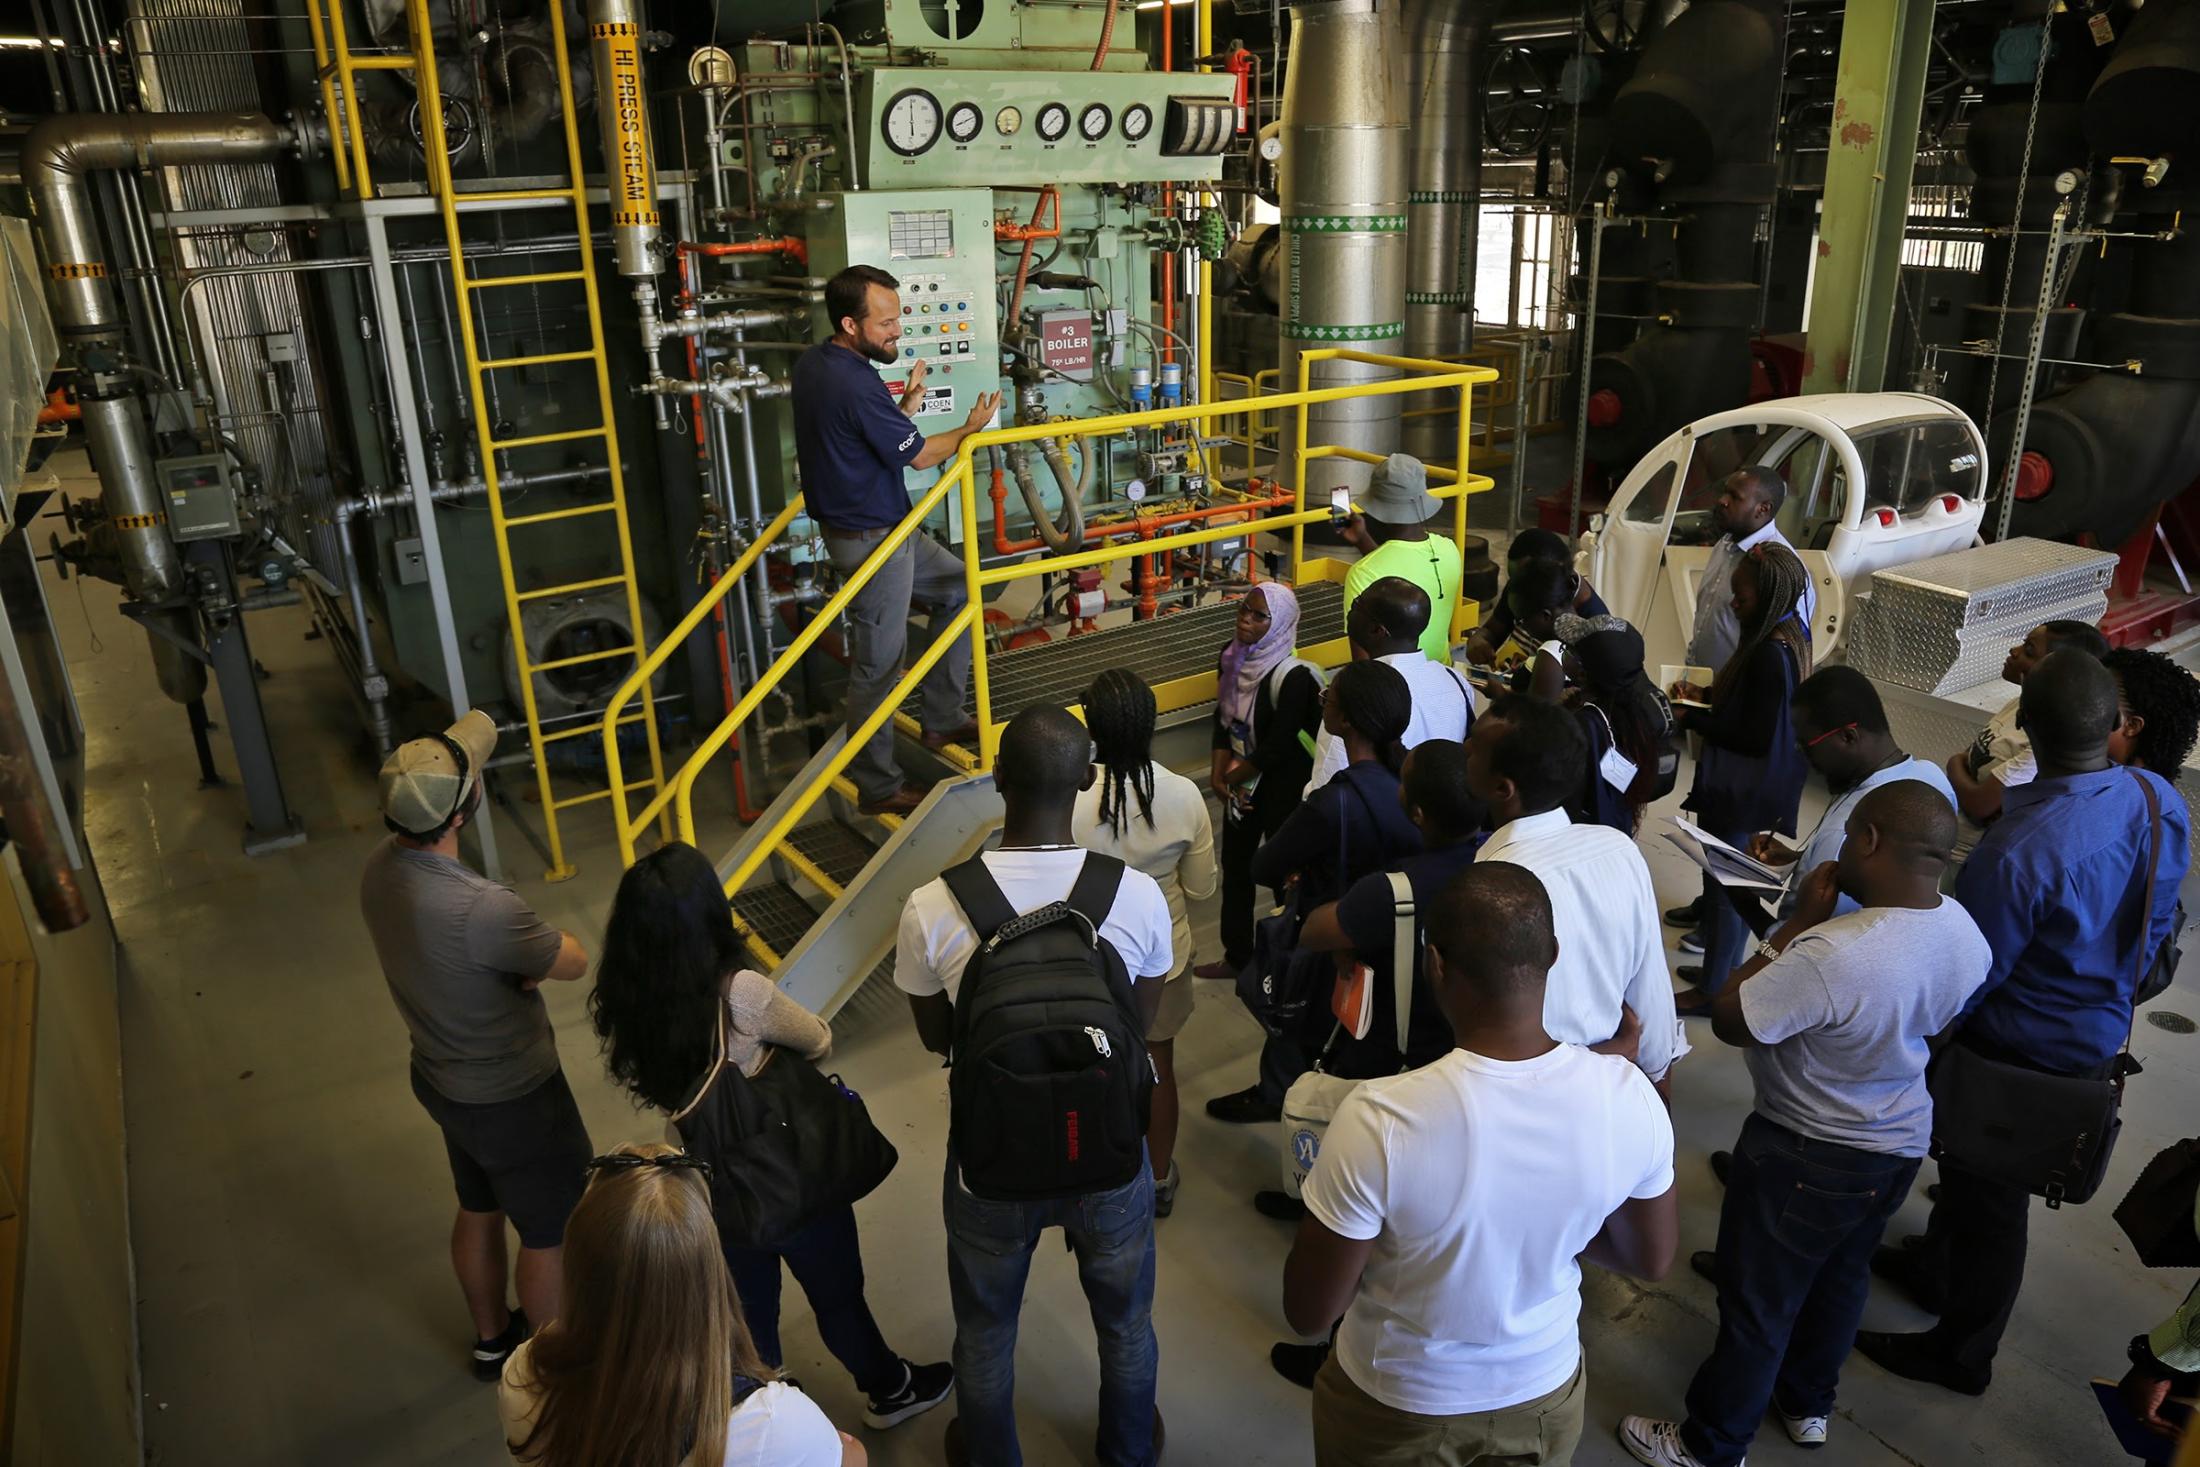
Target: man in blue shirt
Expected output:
[2056,885]
[851,442]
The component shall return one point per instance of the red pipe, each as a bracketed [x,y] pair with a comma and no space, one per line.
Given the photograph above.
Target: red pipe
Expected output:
[1027,233]
[1144,527]
[794,249]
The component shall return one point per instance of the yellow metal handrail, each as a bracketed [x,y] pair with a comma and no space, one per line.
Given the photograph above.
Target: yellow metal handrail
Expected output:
[1255,435]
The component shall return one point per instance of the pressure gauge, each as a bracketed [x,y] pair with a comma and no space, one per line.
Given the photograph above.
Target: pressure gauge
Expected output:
[1094,122]
[1008,121]
[1271,147]
[912,122]
[963,121]
[1137,120]
[1053,121]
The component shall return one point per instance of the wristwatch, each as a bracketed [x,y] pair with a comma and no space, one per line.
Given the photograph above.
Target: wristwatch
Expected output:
[1766,950]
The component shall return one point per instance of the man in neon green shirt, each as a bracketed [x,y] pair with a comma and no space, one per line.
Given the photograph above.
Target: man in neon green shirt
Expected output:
[1390,531]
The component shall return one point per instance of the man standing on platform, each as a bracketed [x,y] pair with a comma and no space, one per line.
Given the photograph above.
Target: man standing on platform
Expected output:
[1390,530]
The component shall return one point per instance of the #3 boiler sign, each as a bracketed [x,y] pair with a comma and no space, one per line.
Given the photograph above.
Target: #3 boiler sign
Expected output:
[1065,344]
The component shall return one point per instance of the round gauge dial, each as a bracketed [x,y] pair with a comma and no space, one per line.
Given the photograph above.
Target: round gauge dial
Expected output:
[1008,121]
[1094,122]
[1137,121]
[912,122]
[1053,121]
[963,121]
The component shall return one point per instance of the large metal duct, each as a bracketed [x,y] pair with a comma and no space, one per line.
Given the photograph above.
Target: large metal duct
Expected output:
[1342,180]
[1693,126]
[57,154]
[1445,41]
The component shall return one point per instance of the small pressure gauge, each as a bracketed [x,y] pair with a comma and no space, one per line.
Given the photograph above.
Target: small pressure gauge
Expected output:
[1008,121]
[912,122]
[1053,121]
[1137,121]
[1271,147]
[964,119]
[1094,122]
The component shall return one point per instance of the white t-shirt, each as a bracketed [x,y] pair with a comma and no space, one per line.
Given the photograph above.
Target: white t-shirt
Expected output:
[936,940]
[1443,706]
[1177,850]
[1611,947]
[776,1426]
[2002,752]
[1481,1181]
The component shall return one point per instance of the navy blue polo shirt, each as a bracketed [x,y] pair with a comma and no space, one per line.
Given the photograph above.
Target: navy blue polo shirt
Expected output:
[852,441]
[2055,885]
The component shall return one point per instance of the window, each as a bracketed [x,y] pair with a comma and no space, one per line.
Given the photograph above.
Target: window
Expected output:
[1909,465]
[1515,247]
[1939,220]
[1648,505]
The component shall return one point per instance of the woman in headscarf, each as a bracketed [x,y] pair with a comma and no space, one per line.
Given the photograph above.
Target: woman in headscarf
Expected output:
[1620,710]
[1268,704]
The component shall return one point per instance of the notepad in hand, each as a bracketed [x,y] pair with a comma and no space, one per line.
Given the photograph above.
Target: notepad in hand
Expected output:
[1727,865]
[1670,673]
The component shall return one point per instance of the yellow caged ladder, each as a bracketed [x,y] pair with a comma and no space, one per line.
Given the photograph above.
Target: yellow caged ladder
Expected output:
[574,195]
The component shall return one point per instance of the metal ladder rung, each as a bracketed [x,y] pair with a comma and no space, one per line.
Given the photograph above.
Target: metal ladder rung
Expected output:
[579,659]
[381,63]
[539,277]
[594,795]
[539,360]
[571,436]
[566,590]
[515,196]
[563,514]
[588,730]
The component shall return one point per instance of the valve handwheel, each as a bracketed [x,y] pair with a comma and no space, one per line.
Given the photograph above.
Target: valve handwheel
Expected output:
[1517,111]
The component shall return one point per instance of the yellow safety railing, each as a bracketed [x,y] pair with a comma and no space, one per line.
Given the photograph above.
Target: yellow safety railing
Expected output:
[960,479]
[1256,435]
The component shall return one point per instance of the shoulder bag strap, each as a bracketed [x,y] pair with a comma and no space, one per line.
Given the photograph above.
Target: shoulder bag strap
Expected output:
[1404,950]
[2146,904]
[979,895]
[1098,880]
[717,1067]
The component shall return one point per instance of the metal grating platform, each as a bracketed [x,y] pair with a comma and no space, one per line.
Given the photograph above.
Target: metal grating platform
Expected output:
[1161,650]
[775,913]
[838,851]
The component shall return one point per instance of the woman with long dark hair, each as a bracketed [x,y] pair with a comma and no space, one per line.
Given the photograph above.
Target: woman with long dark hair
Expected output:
[670,980]
[1154,820]
[650,1363]
[1750,775]
[1349,827]
[1265,698]
[1619,708]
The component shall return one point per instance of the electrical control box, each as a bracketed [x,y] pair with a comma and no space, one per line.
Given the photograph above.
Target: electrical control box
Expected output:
[201,499]
[935,126]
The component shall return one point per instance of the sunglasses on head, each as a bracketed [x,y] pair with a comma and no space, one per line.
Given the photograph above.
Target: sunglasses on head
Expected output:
[624,1161]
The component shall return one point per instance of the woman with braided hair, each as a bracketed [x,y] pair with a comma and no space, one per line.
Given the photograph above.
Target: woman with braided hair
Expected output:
[2160,708]
[1154,820]
[1750,775]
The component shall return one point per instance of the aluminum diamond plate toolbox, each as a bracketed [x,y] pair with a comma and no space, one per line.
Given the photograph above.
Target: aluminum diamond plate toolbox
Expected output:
[1945,624]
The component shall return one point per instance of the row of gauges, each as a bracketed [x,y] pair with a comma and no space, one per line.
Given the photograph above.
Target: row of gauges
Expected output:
[914,121]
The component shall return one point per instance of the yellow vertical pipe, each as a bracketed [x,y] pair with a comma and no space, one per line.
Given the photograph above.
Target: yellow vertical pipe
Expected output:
[1298,469]
[1204,33]
[981,684]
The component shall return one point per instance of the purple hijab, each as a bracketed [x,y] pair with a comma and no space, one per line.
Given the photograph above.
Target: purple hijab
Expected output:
[1243,666]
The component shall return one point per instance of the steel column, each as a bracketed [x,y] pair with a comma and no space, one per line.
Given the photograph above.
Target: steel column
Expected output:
[1879,91]
[269,823]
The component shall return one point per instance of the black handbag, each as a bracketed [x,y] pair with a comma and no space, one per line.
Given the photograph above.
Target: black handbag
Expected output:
[2050,1134]
[2157,1213]
[785,1145]
[1282,980]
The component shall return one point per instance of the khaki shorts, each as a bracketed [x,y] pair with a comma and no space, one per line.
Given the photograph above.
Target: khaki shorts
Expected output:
[1353,1429]
[1175,1010]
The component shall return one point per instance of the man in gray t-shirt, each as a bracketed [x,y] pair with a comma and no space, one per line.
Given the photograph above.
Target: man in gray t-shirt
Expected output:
[1835,1015]
[463,956]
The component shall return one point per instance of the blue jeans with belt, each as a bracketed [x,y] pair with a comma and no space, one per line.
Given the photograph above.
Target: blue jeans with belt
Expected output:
[1796,1235]
[989,1248]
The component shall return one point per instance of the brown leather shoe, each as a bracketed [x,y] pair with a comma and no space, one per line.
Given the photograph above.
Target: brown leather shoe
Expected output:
[961,734]
[901,802]
[1215,971]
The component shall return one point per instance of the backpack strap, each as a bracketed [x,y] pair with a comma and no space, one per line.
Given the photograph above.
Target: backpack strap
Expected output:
[980,897]
[1403,951]
[1093,895]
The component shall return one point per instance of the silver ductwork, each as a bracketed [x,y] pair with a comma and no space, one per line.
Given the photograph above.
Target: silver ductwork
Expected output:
[1446,40]
[1342,181]
[57,155]
[622,111]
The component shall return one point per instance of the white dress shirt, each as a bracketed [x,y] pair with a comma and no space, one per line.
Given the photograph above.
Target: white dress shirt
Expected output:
[1718,631]
[1444,706]
[1611,949]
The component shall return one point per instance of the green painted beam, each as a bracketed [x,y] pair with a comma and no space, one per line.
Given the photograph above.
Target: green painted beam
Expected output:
[1879,90]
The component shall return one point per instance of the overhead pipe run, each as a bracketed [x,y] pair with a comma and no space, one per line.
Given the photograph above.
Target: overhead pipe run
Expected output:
[57,155]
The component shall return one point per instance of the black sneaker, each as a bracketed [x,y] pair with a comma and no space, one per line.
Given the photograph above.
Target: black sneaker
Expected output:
[1297,1363]
[1684,916]
[1244,1107]
[922,1388]
[490,1355]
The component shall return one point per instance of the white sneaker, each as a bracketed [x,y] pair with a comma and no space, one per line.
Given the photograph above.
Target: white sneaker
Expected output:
[1658,1443]
[1804,1431]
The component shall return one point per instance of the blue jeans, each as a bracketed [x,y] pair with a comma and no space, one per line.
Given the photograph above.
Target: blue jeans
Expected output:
[1796,1235]
[827,1260]
[1725,934]
[989,1247]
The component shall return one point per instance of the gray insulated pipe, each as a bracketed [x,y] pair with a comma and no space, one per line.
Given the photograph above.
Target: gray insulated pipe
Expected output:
[58,154]
[1445,41]
[1067,536]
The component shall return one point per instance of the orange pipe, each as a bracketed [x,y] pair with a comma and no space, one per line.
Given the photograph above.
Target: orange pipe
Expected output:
[1144,527]
[794,249]
[1027,233]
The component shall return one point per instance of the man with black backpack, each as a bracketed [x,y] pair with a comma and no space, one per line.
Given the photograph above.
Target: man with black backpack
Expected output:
[1036,968]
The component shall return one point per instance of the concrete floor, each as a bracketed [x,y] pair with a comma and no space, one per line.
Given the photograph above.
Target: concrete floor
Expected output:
[290,1201]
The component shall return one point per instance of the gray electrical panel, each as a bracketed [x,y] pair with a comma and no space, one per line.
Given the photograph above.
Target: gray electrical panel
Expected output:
[202,499]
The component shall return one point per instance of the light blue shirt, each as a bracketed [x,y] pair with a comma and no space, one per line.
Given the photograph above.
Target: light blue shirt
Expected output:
[1718,631]
[1832,832]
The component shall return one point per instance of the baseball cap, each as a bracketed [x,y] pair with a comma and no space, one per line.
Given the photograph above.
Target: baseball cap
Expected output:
[1397,492]
[429,779]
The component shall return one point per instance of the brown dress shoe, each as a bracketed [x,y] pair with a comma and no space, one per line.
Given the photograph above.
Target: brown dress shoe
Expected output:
[901,802]
[1215,971]
[963,734]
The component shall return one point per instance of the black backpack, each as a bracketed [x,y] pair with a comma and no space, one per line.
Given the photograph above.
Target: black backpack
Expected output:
[1051,1086]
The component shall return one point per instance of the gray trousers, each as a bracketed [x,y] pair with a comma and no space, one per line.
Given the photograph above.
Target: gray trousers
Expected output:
[878,634]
